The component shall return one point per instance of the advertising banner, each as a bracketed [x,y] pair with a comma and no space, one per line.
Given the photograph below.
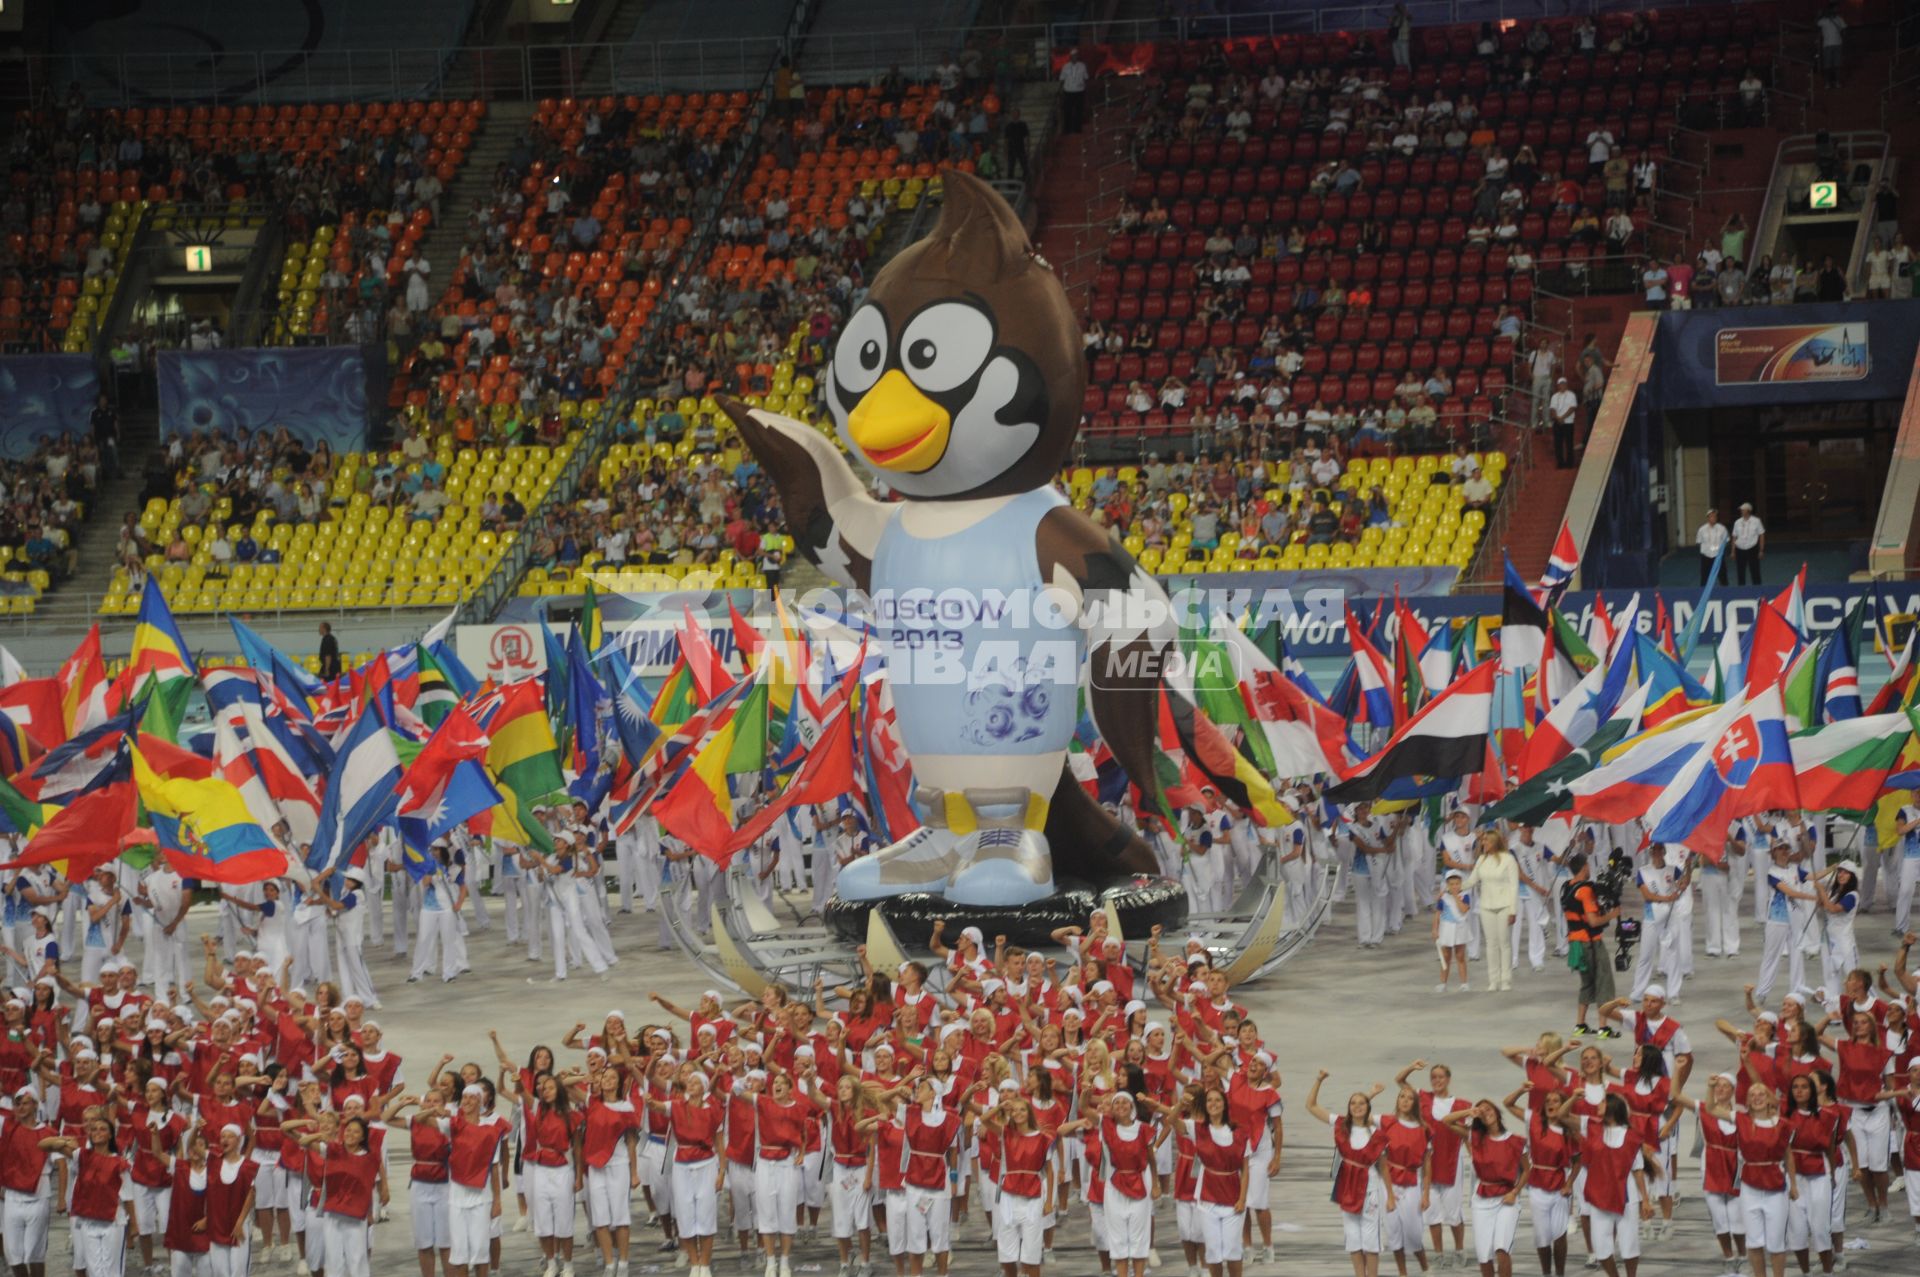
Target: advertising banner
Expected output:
[1791,352]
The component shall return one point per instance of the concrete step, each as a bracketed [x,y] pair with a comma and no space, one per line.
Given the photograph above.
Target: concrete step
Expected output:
[500,130]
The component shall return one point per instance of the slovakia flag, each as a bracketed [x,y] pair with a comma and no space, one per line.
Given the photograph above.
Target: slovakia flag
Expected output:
[1744,767]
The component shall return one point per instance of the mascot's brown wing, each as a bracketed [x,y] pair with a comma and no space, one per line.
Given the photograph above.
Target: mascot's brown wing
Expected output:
[813,480]
[1126,657]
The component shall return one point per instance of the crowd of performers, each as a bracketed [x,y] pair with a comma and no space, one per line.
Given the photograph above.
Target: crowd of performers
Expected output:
[231,1108]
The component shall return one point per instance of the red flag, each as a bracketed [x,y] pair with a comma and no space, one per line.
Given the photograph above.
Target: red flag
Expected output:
[1773,645]
[173,762]
[888,766]
[687,811]
[745,637]
[34,705]
[710,677]
[824,775]
[86,833]
[83,685]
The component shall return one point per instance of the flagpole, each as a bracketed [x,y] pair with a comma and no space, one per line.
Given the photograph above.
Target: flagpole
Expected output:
[1692,635]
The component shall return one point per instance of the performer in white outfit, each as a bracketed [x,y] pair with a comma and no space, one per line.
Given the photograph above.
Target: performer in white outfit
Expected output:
[1536,896]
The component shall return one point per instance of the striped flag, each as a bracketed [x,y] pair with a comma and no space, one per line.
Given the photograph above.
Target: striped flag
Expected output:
[361,793]
[1562,562]
[1447,738]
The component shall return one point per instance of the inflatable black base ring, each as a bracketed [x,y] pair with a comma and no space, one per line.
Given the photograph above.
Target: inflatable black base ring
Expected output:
[1140,901]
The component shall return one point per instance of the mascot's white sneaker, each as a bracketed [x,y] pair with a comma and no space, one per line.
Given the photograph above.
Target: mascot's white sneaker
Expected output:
[1001,867]
[922,861]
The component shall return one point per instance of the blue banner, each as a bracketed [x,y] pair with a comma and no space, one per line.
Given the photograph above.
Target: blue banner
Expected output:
[1760,356]
[42,396]
[319,393]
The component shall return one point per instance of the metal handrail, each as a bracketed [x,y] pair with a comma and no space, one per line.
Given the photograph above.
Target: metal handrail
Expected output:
[528,71]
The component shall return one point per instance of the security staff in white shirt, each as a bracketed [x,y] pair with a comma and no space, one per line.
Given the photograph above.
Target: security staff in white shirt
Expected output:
[1711,538]
[1749,543]
[1564,408]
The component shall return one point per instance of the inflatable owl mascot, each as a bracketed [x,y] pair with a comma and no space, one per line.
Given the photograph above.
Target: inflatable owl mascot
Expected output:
[958,382]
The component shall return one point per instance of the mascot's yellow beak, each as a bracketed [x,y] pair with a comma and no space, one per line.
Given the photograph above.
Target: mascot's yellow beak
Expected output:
[897,427]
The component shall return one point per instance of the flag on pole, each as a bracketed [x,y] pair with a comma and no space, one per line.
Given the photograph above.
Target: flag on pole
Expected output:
[158,648]
[361,793]
[1523,624]
[205,827]
[1744,766]
[1447,738]
[1562,562]
[1843,766]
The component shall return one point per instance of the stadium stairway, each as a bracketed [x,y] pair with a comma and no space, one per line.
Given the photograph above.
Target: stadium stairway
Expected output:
[1539,503]
[99,536]
[503,125]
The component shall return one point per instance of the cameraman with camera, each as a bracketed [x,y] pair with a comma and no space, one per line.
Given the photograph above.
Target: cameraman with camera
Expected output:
[1587,920]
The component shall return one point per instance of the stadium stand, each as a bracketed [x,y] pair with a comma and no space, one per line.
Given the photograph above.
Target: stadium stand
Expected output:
[1315,241]
[828,181]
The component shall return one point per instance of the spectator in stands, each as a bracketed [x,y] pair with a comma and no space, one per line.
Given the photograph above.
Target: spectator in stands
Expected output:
[1879,266]
[1731,282]
[1806,281]
[1653,284]
[1679,283]
[1886,211]
[1400,36]
[1016,138]
[1620,232]
[1903,266]
[1833,48]
[1832,286]
[1074,79]
[1564,408]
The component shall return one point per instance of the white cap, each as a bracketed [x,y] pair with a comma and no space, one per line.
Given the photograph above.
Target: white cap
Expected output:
[1657,991]
[973,934]
[1135,1005]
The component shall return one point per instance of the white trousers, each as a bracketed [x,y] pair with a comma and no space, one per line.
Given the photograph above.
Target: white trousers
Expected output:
[549,1192]
[776,1197]
[435,939]
[1766,1219]
[1370,907]
[1903,900]
[696,1201]
[98,1246]
[852,1201]
[1550,1212]
[929,1221]
[1781,947]
[1019,1229]
[1498,924]
[1532,930]
[25,1226]
[231,1261]
[469,1225]
[345,1246]
[1810,1215]
[1406,1234]
[1720,901]
[1494,1224]
[610,1192]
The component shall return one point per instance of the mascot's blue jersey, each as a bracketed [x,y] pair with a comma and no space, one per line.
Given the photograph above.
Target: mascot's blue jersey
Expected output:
[981,658]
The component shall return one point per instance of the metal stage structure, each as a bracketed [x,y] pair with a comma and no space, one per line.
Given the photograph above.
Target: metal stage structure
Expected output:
[751,948]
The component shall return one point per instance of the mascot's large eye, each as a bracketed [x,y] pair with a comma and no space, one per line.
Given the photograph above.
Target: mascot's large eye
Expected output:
[945,345]
[862,353]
